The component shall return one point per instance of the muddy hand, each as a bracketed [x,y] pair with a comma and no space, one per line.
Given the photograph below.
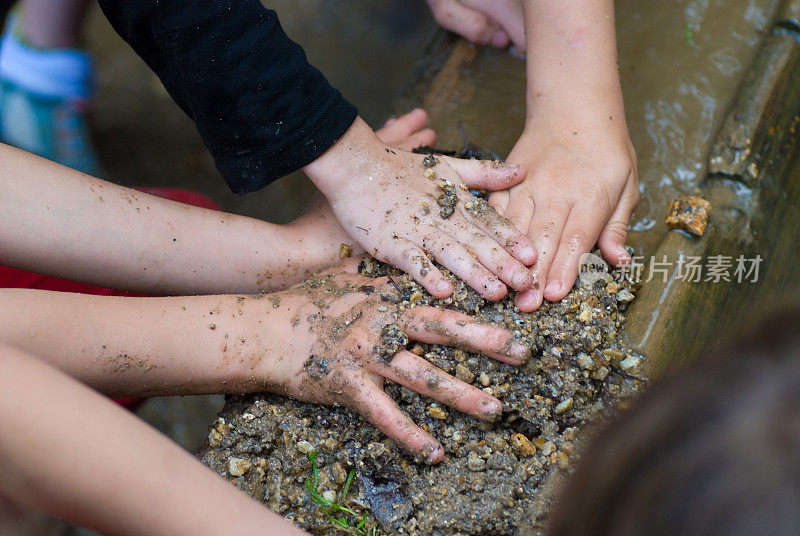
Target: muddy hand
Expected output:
[345,340]
[317,228]
[407,210]
[486,22]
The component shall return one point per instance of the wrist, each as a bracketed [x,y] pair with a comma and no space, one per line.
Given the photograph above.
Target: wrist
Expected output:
[349,157]
[564,114]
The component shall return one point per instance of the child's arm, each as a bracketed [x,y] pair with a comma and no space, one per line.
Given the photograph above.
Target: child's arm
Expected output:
[582,182]
[57,221]
[319,341]
[69,452]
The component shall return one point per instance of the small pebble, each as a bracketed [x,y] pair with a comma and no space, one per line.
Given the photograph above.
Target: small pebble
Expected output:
[484,379]
[563,406]
[629,363]
[585,361]
[338,473]
[238,466]
[464,374]
[475,462]
[305,447]
[214,438]
[328,495]
[437,413]
[522,445]
[625,296]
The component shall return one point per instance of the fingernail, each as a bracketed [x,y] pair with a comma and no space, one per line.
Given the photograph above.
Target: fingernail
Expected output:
[499,39]
[490,407]
[436,454]
[526,253]
[553,287]
[517,349]
[442,287]
[495,291]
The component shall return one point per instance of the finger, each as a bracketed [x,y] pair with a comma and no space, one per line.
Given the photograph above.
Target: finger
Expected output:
[486,218]
[397,128]
[492,255]
[516,204]
[378,408]
[455,257]
[508,15]
[413,372]
[582,228]
[414,261]
[546,227]
[499,39]
[613,236]
[469,23]
[441,326]
[485,174]
[424,137]
[500,200]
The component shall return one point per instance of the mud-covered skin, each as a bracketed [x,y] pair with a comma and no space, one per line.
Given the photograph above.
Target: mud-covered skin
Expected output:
[494,475]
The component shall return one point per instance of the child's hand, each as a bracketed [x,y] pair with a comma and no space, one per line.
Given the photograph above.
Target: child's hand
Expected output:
[401,211]
[342,340]
[319,232]
[581,189]
[486,22]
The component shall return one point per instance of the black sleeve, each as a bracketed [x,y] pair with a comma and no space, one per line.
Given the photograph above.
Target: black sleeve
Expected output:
[260,108]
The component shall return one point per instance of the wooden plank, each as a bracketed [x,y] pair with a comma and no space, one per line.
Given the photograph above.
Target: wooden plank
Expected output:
[753,187]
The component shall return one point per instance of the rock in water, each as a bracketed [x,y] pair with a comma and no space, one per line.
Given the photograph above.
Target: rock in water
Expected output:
[690,214]
[495,477]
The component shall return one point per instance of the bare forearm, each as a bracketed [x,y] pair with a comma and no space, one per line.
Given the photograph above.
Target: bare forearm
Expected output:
[571,49]
[93,463]
[147,346]
[60,222]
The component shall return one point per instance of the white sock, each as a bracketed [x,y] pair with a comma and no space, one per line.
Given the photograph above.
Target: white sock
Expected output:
[63,73]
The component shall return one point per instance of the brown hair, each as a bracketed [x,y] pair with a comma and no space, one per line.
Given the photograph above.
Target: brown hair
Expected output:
[714,450]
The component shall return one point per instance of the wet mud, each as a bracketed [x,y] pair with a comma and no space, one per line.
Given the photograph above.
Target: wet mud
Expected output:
[493,474]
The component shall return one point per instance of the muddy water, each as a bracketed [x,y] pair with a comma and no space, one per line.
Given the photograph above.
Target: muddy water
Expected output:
[680,64]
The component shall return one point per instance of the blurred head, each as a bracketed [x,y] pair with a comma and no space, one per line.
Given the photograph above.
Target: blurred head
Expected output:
[714,450]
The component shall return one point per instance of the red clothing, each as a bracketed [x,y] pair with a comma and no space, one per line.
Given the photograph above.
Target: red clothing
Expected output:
[13,278]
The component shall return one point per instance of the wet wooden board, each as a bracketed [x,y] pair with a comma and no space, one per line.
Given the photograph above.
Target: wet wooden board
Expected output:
[754,187]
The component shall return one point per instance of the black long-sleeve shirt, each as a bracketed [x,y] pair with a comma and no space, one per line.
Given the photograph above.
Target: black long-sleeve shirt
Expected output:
[259,106]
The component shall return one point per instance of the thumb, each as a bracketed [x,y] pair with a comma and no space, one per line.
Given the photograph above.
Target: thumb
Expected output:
[486,174]
[612,239]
